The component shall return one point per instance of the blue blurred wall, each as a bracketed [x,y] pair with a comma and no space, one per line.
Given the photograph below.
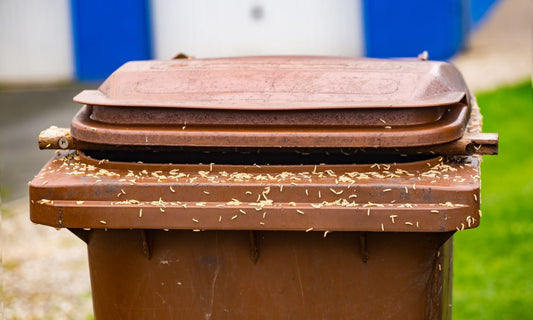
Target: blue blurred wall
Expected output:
[408,27]
[479,10]
[108,33]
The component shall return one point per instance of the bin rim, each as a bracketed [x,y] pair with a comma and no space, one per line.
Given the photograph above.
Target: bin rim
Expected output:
[218,197]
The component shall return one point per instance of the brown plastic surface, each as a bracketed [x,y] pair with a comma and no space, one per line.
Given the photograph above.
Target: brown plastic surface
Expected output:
[280,83]
[447,128]
[313,102]
[468,144]
[325,117]
[297,275]
[426,196]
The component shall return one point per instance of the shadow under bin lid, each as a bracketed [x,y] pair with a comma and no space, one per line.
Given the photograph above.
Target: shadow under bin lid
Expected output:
[284,101]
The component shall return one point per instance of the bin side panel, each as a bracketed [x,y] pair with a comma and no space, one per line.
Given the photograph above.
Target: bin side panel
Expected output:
[297,275]
[447,279]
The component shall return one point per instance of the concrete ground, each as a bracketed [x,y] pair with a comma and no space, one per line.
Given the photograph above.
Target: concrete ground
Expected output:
[45,272]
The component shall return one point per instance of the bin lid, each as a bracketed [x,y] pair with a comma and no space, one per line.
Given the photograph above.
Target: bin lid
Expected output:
[283,101]
[279,83]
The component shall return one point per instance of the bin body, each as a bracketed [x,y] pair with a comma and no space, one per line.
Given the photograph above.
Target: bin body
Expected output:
[268,188]
[204,243]
[298,275]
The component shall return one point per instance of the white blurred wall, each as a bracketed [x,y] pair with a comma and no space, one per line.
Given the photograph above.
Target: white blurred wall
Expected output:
[35,41]
[207,28]
[36,35]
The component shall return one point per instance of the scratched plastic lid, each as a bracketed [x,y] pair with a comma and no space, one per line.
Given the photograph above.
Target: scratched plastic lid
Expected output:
[282,101]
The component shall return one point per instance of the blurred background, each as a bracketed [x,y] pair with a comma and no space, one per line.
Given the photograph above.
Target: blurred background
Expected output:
[64,40]
[51,50]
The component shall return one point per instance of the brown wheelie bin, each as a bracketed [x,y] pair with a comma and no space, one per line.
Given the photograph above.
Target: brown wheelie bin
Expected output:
[268,187]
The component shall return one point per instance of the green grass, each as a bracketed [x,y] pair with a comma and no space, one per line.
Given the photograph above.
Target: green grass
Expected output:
[492,264]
